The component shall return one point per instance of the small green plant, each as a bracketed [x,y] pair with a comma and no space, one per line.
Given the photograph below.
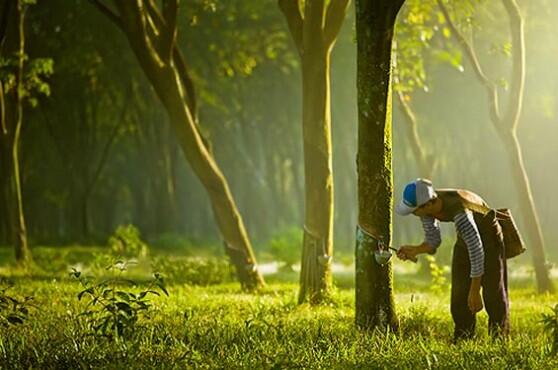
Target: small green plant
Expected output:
[126,242]
[286,247]
[13,309]
[113,311]
[550,325]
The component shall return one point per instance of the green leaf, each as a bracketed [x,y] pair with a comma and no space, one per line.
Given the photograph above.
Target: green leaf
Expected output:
[145,292]
[86,291]
[123,295]
[162,287]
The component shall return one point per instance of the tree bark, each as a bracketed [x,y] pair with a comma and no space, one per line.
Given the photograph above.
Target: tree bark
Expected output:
[375,23]
[314,35]
[155,53]
[315,274]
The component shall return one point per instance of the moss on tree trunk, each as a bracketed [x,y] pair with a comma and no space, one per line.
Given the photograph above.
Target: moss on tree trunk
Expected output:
[375,22]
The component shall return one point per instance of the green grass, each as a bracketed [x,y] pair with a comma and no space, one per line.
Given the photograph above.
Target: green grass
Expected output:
[221,327]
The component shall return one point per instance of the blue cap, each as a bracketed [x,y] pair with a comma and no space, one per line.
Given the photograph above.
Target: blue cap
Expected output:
[416,193]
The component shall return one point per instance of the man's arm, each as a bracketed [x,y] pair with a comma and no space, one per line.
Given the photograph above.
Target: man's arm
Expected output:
[432,235]
[432,240]
[467,229]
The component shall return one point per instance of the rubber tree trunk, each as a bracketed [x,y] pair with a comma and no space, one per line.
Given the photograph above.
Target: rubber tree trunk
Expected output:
[508,132]
[314,34]
[529,212]
[156,53]
[506,123]
[315,274]
[375,23]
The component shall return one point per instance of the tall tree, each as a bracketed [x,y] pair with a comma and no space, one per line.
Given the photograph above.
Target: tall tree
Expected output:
[375,24]
[12,94]
[152,32]
[506,121]
[314,32]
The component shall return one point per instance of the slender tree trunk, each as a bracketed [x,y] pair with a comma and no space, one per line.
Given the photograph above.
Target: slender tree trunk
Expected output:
[512,118]
[22,252]
[237,245]
[155,52]
[315,275]
[375,22]
[314,35]
[506,123]
[529,213]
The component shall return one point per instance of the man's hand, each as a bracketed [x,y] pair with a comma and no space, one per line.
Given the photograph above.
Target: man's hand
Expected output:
[408,252]
[474,300]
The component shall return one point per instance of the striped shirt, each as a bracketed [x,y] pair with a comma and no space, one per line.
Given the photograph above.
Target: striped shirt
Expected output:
[467,229]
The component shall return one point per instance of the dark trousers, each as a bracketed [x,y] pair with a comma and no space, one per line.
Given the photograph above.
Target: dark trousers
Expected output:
[494,281]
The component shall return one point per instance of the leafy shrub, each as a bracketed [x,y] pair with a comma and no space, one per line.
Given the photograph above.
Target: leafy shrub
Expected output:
[550,324]
[195,270]
[112,311]
[286,247]
[13,310]
[126,242]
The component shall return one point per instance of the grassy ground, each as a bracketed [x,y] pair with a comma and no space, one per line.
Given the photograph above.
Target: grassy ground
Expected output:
[220,327]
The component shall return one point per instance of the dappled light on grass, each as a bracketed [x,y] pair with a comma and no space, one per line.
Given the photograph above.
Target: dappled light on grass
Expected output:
[221,327]
[208,321]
